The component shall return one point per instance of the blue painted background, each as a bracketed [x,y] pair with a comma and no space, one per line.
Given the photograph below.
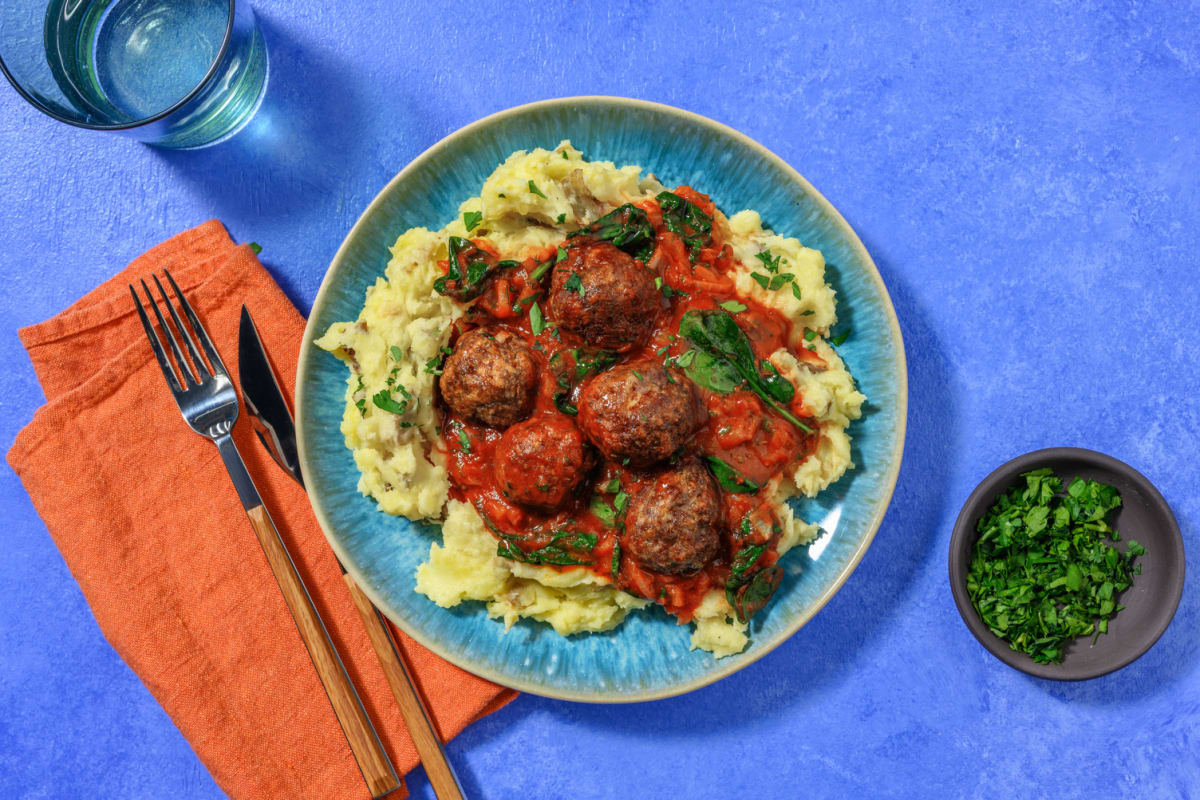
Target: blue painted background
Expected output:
[1027,181]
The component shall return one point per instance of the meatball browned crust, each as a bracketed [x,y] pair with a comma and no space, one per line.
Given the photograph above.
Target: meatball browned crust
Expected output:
[540,461]
[641,412]
[670,526]
[602,296]
[490,377]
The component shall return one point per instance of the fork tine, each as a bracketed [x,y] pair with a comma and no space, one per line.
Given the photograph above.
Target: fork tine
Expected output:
[213,357]
[188,378]
[156,344]
[201,368]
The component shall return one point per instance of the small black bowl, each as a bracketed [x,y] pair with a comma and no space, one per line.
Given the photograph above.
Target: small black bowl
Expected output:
[1150,601]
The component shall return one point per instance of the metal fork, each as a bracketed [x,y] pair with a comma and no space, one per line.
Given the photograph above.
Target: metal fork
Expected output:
[208,401]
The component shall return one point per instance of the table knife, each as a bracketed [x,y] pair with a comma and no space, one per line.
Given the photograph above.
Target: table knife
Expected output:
[273,423]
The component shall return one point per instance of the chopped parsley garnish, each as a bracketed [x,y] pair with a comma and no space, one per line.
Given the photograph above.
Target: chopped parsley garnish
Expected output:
[534,188]
[560,256]
[360,402]
[840,338]
[383,399]
[613,486]
[471,219]
[638,375]
[796,291]
[537,323]
[574,284]
[464,440]
[762,280]
[769,261]
[779,280]
[733,306]
[560,219]
[616,561]
[658,283]
[1041,572]
[621,501]
[255,248]
[809,334]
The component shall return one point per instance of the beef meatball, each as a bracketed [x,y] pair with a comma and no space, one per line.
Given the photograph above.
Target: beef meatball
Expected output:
[490,377]
[641,412]
[670,526]
[602,296]
[540,461]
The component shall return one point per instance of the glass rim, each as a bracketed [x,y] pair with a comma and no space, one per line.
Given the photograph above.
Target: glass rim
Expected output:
[123,126]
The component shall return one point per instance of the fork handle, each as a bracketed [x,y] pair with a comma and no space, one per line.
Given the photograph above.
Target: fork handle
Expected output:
[368,751]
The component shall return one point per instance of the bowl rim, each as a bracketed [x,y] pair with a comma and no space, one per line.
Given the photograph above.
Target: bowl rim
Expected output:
[963,537]
[877,512]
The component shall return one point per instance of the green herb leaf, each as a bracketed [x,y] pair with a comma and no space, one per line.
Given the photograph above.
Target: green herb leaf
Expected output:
[464,440]
[762,280]
[715,333]
[383,399]
[733,306]
[687,221]
[560,219]
[603,511]
[730,479]
[537,323]
[574,284]
[627,227]
[471,219]
[533,188]
[469,268]
[753,597]
[840,338]
[616,561]
[768,261]
[360,402]
[255,248]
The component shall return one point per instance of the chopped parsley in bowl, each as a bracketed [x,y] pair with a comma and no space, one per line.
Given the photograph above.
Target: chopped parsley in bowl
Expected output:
[1066,563]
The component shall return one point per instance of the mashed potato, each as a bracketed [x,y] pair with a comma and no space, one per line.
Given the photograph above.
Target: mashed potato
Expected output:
[405,324]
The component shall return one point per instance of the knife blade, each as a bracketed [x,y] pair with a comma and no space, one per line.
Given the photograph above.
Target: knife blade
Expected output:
[265,400]
[276,429]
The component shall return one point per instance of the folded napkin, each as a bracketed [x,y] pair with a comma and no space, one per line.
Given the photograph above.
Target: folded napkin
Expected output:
[143,512]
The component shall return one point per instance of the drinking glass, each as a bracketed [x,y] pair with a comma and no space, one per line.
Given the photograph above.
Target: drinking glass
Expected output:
[175,73]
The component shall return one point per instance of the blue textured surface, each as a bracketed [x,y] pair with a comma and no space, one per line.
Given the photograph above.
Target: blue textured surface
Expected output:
[1026,180]
[649,655]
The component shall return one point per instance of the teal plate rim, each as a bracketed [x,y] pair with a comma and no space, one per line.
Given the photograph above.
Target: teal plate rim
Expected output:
[758,647]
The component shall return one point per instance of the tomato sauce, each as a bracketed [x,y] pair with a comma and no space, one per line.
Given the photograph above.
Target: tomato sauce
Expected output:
[742,430]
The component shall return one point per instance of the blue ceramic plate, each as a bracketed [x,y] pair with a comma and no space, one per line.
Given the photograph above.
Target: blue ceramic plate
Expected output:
[647,656]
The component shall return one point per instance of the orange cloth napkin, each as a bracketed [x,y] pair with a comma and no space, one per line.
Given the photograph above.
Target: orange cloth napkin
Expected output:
[146,518]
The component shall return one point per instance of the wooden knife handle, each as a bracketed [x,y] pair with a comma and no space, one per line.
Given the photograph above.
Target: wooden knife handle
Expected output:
[368,751]
[441,776]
